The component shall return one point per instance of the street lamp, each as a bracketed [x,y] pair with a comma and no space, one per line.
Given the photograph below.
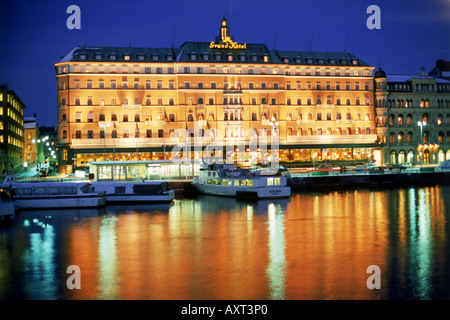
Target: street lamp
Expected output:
[421,125]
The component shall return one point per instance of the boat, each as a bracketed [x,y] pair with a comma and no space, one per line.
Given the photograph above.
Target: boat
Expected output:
[135,192]
[228,180]
[53,195]
[6,205]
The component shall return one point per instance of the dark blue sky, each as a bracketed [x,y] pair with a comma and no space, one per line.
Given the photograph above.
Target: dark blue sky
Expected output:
[34,36]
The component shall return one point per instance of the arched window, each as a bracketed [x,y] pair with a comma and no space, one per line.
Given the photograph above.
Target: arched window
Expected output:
[410,156]
[400,119]
[409,119]
[440,119]
[391,120]
[392,137]
[425,119]
[427,103]
[441,137]
[393,157]
[402,157]
[400,137]
[426,137]
[410,137]
[422,103]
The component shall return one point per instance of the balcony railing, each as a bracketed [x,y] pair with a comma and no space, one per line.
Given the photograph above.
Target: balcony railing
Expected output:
[131,106]
[331,139]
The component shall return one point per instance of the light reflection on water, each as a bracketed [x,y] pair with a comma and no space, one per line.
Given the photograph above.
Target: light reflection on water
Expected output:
[315,245]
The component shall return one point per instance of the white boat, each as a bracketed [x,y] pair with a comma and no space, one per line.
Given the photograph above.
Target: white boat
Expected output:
[135,192]
[53,195]
[6,205]
[228,180]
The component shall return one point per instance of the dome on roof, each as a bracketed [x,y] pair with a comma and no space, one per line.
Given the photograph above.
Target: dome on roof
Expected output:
[380,74]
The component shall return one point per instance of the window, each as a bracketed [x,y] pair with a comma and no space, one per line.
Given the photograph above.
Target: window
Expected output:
[113,84]
[90,117]
[78,117]
[113,117]
[89,84]
[160,133]
[78,134]
[90,134]
[149,133]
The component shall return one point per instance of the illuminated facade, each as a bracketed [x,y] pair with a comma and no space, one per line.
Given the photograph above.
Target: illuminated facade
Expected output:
[127,103]
[11,130]
[413,117]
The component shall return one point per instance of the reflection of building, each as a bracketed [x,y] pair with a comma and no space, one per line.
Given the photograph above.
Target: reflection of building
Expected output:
[11,130]
[413,117]
[126,103]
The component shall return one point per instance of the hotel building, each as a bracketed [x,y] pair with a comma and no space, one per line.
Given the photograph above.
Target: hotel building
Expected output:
[413,117]
[135,103]
[11,130]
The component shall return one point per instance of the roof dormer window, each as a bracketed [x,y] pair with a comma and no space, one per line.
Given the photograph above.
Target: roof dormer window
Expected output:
[82,57]
[286,60]
[155,57]
[98,56]
[193,56]
[266,58]
[126,57]
[141,57]
[112,57]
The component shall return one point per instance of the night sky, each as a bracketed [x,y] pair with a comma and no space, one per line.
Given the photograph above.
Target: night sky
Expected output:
[34,35]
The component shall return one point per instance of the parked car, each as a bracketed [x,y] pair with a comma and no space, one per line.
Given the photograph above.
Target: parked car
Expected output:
[361,168]
[406,165]
[371,165]
[387,166]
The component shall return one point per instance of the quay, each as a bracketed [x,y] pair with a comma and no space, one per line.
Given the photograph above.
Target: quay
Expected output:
[370,178]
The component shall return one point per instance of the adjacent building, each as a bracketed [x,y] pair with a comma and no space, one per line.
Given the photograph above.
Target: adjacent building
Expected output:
[11,130]
[32,148]
[413,117]
[138,103]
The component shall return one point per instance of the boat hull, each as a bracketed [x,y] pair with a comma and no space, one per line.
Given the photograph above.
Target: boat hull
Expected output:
[59,202]
[254,193]
[140,198]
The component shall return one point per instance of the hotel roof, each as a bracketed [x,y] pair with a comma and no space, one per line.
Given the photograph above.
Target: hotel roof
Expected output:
[201,52]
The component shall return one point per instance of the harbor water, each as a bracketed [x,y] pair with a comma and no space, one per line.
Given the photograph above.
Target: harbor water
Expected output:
[314,245]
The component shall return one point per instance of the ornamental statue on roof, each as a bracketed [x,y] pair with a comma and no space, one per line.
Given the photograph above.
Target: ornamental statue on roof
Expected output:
[224,41]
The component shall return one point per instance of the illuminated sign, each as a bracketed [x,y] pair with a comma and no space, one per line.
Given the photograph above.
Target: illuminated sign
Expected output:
[227,43]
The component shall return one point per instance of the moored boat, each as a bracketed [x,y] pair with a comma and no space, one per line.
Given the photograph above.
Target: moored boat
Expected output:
[135,192]
[53,195]
[6,205]
[228,180]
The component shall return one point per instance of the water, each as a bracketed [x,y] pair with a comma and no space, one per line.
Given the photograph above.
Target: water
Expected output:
[315,245]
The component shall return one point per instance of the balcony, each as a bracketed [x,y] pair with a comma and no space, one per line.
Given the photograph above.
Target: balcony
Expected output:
[331,139]
[123,142]
[155,123]
[345,121]
[325,106]
[136,107]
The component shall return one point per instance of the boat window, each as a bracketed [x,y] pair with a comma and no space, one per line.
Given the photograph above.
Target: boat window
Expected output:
[208,181]
[250,182]
[243,183]
[86,188]
[69,190]
[54,190]
[225,182]
[39,190]
[270,181]
[24,191]
[236,182]
[120,189]
[277,181]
